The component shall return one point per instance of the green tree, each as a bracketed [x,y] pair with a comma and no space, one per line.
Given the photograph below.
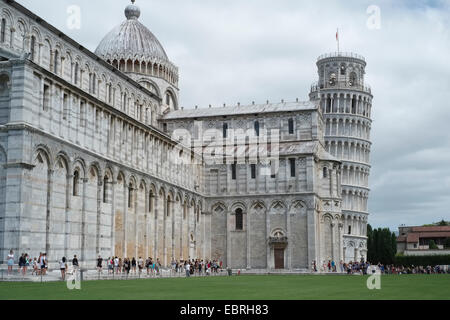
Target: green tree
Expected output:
[381,245]
[432,245]
[443,223]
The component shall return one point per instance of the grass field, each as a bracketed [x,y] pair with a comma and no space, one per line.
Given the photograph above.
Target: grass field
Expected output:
[276,287]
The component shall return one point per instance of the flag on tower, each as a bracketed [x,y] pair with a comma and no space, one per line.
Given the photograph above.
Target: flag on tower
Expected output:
[337,39]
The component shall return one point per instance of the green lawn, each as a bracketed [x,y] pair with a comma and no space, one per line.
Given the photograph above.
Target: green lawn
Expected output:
[276,287]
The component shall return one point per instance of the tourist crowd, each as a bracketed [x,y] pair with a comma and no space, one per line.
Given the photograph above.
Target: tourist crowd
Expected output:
[151,267]
[363,267]
[116,265]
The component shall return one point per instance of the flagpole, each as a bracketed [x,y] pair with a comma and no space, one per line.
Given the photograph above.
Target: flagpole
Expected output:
[337,39]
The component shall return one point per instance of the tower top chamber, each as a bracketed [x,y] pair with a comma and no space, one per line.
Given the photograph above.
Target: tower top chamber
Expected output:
[341,70]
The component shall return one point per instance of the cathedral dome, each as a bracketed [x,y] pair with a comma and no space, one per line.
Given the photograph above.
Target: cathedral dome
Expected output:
[131,40]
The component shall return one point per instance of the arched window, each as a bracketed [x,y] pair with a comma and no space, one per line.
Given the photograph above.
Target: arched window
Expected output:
[292,167]
[3,31]
[110,91]
[239,219]
[76,183]
[353,79]
[325,172]
[328,110]
[225,130]
[168,207]
[75,80]
[291,126]
[257,128]
[130,195]
[343,69]
[150,201]
[32,48]
[168,99]
[46,97]
[332,80]
[233,171]
[253,170]
[94,80]
[55,64]
[349,229]
[106,189]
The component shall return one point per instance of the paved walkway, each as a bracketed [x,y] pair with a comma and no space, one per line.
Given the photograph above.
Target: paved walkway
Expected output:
[55,275]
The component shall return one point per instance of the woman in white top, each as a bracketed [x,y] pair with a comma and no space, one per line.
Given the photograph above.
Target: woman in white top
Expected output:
[35,267]
[10,261]
[63,268]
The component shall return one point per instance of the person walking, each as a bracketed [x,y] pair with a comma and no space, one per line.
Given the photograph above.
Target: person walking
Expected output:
[42,263]
[158,266]
[111,265]
[63,268]
[140,265]
[99,264]
[21,262]
[187,267]
[10,260]
[26,264]
[35,267]
[116,265]
[39,264]
[127,266]
[75,264]
[148,264]
[133,265]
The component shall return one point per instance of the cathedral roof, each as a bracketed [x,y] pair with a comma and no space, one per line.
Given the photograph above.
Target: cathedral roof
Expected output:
[240,110]
[131,40]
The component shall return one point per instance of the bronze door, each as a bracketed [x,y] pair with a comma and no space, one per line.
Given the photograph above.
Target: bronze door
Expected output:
[279,258]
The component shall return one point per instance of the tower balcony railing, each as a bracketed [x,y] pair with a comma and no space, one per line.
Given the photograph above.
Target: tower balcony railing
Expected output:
[340,85]
[341,54]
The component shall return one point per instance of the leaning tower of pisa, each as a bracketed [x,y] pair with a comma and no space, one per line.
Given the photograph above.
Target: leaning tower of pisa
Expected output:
[346,104]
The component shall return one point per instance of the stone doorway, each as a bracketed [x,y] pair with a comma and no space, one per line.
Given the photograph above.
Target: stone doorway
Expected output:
[279,258]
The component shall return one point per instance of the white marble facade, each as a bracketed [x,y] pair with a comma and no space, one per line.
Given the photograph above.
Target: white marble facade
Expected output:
[99,162]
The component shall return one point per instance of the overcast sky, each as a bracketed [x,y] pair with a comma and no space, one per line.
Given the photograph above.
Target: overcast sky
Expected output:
[257,50]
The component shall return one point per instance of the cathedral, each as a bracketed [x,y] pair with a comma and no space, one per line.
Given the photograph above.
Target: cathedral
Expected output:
[98,157]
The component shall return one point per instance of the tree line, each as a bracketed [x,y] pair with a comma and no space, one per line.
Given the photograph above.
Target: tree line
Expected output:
[381,245]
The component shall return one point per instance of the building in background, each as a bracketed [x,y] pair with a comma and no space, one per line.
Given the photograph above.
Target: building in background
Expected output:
[416,240]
